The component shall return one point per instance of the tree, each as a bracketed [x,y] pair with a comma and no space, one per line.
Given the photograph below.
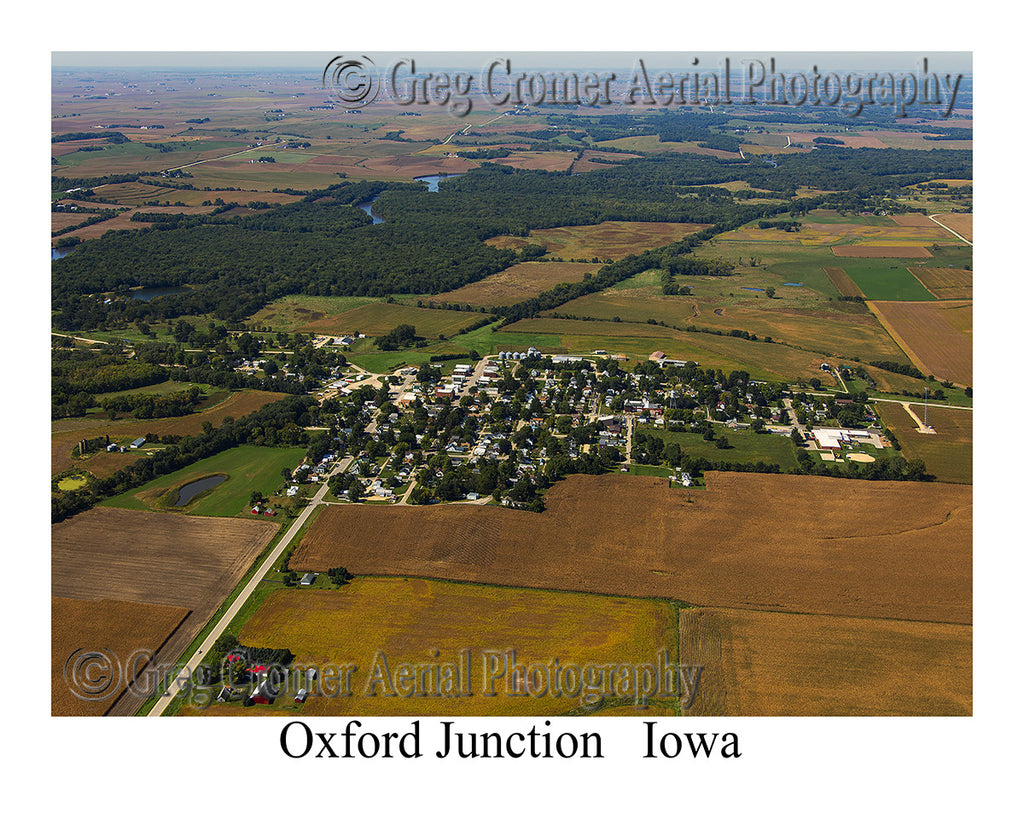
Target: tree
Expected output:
[255,498]
[798,439]
[770,292]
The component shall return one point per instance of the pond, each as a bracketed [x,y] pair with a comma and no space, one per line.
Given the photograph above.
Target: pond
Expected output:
[758,289]
[60,253]
[190,490]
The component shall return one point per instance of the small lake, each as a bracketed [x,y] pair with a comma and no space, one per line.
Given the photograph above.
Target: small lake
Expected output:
[758,289]
[60,254]
[150,293]
[433,181]
[793,284]
[190,490]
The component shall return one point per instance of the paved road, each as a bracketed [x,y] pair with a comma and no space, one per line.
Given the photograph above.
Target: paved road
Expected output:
[946,227]
[193,662]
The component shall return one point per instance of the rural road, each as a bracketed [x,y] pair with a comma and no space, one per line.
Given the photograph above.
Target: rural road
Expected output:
[945,227]
[176,686]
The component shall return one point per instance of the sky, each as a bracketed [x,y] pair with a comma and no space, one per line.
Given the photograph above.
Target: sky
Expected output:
[943,61]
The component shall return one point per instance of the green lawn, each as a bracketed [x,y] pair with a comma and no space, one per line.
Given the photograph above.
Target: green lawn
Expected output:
[744,447]
[248,468]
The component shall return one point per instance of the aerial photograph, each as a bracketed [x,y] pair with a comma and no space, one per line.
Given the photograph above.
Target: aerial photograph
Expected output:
[470,384]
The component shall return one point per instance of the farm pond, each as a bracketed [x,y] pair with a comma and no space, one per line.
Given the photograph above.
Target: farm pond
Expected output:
[190,490]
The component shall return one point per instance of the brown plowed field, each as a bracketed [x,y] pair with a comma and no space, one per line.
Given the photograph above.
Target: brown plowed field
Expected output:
[880,252]
[775,542]
[946,282]
[67,432]
[935,335]
[115,627]
[844,284]
[759,663]
[148,557]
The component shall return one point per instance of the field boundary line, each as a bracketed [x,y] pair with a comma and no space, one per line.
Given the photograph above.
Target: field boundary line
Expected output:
[947,227]
[877,312]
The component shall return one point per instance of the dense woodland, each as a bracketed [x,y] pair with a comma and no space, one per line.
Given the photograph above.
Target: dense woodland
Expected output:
[433,242]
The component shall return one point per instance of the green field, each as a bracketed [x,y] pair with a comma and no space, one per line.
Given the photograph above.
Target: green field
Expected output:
[744,447]
[885,280]
[248,468]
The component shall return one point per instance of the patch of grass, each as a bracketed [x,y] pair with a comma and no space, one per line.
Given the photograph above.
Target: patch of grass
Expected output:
[885,280]
[248,468]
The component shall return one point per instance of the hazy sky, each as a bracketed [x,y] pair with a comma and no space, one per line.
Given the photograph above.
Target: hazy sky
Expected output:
[939,61]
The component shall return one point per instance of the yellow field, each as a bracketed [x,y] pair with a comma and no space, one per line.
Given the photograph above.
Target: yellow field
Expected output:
[429,621]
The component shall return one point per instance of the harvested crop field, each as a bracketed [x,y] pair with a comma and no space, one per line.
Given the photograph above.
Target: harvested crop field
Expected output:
[516,283]
[607,240]
[946,282]
[936,335]
[881,252]
[949,453]
[67,432]
[379,318]
[148,557]
[900,550]
[413,620]
[119,629]
[759,663]
[962,223]
[844,284]
[539,160]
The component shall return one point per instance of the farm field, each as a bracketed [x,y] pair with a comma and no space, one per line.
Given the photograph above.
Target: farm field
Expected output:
[248,469]
[608,240]
[772,362]
[290,314]
[148,557]
[881,252]
[962,223]
[539,160]
[67,432]
[948,454]
[897,550]
[379,318]
[116,627]
[516,283]
[766,663]
[946,283]
[886,280]
[841,329]
[937,335]
[417,621]
[844,284]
